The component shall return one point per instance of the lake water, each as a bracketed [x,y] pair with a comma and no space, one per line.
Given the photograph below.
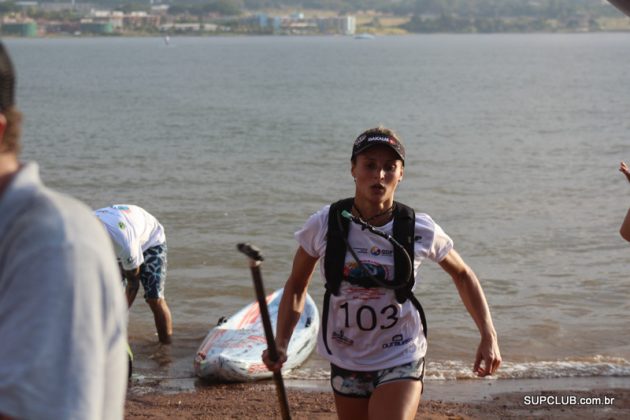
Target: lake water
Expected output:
[513,146]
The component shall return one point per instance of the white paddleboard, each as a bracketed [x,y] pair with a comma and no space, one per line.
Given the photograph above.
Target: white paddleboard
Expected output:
[232,350]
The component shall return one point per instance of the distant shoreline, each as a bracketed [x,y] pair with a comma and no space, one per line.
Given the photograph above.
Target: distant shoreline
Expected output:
[237,35]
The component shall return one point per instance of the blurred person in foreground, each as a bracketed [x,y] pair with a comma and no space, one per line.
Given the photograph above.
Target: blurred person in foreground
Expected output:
[624,231]
[63,321]
[373,329]
[140,245]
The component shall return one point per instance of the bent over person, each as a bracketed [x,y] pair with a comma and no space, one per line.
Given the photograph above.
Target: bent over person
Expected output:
[140,245]
[373,329]
[63,318]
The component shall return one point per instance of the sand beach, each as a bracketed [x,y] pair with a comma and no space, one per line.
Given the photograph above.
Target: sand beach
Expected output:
[566,398]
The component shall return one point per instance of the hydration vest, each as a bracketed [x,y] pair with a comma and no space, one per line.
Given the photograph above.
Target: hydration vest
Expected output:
[403,232]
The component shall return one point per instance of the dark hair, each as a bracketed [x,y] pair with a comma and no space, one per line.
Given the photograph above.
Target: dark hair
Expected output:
[11,140]
[7,80]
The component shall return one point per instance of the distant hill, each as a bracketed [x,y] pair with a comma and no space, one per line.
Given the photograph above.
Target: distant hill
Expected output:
[394,16]
[548,9]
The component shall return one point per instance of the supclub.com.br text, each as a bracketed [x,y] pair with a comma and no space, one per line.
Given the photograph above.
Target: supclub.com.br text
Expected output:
[566,400]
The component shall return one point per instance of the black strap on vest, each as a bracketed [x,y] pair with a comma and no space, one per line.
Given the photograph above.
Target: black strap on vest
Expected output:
[403,232]
[338,228]
[336,245]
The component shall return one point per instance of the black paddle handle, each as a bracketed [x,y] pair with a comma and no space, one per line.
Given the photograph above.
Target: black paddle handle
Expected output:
[251,251]
[264,313]
[255,259]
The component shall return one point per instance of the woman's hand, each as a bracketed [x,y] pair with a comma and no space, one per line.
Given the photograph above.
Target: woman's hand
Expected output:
[291,306]
[277,365]
[474,299]
[623,168]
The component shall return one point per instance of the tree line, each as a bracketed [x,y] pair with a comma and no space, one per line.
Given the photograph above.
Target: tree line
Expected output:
[425,15]
[549,9]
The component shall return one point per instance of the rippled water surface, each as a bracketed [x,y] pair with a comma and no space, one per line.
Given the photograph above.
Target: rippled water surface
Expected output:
[513,145]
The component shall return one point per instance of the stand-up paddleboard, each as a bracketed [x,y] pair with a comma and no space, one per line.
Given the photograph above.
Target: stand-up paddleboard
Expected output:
[232,350]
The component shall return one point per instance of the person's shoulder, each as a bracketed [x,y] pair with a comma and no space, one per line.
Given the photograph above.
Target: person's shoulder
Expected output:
[60,216]
[424,219]
[316,221]
[136,211]
[337,205]
[319,217]
[426,225]
[322,212]
[63,206]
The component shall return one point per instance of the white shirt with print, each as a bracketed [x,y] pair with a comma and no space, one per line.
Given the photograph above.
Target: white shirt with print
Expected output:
[367,328]
[133,230]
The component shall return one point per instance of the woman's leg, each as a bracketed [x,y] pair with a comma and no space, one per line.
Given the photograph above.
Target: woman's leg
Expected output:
[396,400]
[351,408]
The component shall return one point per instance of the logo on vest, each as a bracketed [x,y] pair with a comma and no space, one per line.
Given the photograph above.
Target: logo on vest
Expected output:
[376,251]
[397,341]
[338,336]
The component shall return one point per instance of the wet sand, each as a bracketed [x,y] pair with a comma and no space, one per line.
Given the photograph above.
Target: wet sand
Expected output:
[598,398]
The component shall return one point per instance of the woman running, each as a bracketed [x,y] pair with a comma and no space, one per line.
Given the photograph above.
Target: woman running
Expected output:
[373,330]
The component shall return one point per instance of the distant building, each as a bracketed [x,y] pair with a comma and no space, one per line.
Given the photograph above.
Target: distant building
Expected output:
[276,23]
[140,20]
[348,25]
[262,20]
[345,25]
[182,28]
[102,20]
[99,28]
[27,29]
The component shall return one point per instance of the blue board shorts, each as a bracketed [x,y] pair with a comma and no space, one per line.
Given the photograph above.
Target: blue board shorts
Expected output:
[350,383]
[153,272]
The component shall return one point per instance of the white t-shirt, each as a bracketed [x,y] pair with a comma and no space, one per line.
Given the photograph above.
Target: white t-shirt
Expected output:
[133,230]
[63,315]
[367,328]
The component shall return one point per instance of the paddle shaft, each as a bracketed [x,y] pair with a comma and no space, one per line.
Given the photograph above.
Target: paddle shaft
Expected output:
[271,342]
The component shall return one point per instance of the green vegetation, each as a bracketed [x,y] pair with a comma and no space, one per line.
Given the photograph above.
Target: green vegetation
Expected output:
[550,9]
[431,15]
[477,9]
[375,16]
[220,7]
